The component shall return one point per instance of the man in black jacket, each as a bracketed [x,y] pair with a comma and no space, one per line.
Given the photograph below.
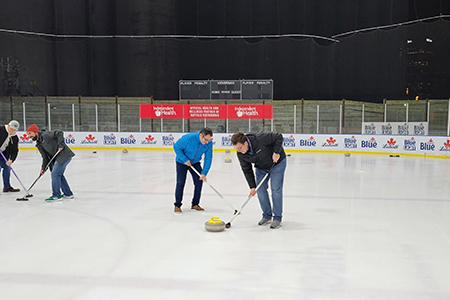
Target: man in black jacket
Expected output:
[9,145]
[264,150]
[48,144]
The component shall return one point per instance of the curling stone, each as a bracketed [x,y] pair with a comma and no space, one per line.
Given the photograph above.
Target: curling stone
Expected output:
[227,151]
[347,154]
[215,225]
[227,160]
[124,151]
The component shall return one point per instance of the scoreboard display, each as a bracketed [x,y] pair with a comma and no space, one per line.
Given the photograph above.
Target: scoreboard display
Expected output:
[257,89]
[225,89]
[195,89]
[261,89]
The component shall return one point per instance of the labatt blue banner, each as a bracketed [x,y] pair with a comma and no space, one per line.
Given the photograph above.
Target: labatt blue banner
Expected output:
[397,144]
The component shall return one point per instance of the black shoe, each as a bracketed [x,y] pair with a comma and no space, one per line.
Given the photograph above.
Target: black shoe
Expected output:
[10,189]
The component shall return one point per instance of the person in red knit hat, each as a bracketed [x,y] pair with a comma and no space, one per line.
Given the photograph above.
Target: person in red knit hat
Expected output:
[49,144]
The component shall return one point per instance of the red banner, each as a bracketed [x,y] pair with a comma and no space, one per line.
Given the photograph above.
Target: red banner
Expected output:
[212,111]
[205,111]
[162,111]
[250,111]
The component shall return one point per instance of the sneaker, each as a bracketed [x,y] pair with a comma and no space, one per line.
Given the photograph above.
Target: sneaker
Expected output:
[51,198]
[264,221]
[177,210]
[275,224]
[197,208]
[67,197]
[10,189]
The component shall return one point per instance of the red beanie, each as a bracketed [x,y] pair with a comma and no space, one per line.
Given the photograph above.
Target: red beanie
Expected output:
[33,128]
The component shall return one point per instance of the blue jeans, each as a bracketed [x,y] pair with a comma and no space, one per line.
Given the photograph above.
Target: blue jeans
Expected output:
[181,181]
[276,178]
[6,173]
[59,182]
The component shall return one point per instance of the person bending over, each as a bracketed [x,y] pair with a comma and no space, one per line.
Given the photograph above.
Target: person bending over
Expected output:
[263,150]
[49,144]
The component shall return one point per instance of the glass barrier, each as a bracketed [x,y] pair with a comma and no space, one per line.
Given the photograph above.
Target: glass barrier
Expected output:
[293,116]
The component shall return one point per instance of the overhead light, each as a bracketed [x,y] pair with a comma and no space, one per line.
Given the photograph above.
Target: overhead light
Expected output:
[409,41]
[429,40]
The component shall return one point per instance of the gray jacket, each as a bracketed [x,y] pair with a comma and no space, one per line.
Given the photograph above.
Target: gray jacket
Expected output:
[48,144]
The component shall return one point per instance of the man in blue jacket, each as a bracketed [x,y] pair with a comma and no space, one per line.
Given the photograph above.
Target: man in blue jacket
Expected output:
[189,150]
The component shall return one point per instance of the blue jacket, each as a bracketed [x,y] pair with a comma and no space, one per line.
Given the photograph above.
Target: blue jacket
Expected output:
[189,147]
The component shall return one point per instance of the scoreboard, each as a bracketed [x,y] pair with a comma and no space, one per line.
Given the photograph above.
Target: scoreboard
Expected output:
[195,89]
[225,89]
[257,89]
[261,89]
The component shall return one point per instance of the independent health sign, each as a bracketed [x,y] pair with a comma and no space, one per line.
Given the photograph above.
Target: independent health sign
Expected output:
[204,111]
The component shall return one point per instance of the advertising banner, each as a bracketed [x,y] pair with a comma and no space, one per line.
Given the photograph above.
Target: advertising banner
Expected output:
[213,111]
[250,111]
[398,144]
[205,111]
[400,128]
[161,111]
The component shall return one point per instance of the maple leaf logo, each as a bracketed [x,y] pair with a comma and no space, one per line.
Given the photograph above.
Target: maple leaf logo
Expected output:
[149,138]
[431,140]
[131,136]
[90,138]
[391,142]
[372,139]
[311,138]
[447,144]
[25,137]
[331,140]
[70,135]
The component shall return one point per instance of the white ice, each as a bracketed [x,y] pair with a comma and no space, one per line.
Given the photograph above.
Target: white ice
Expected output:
[358,227]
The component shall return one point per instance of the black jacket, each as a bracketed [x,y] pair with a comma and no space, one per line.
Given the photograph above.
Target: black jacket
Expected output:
[12,149]
[264,145]
[48,143]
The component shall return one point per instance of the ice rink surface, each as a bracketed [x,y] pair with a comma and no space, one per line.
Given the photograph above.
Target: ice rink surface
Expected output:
[358,227]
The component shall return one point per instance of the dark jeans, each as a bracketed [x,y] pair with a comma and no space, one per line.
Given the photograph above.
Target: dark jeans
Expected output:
[181,181]
[6,173]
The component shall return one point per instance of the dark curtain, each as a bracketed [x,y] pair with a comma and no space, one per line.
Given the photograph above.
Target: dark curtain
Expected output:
[370,65]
